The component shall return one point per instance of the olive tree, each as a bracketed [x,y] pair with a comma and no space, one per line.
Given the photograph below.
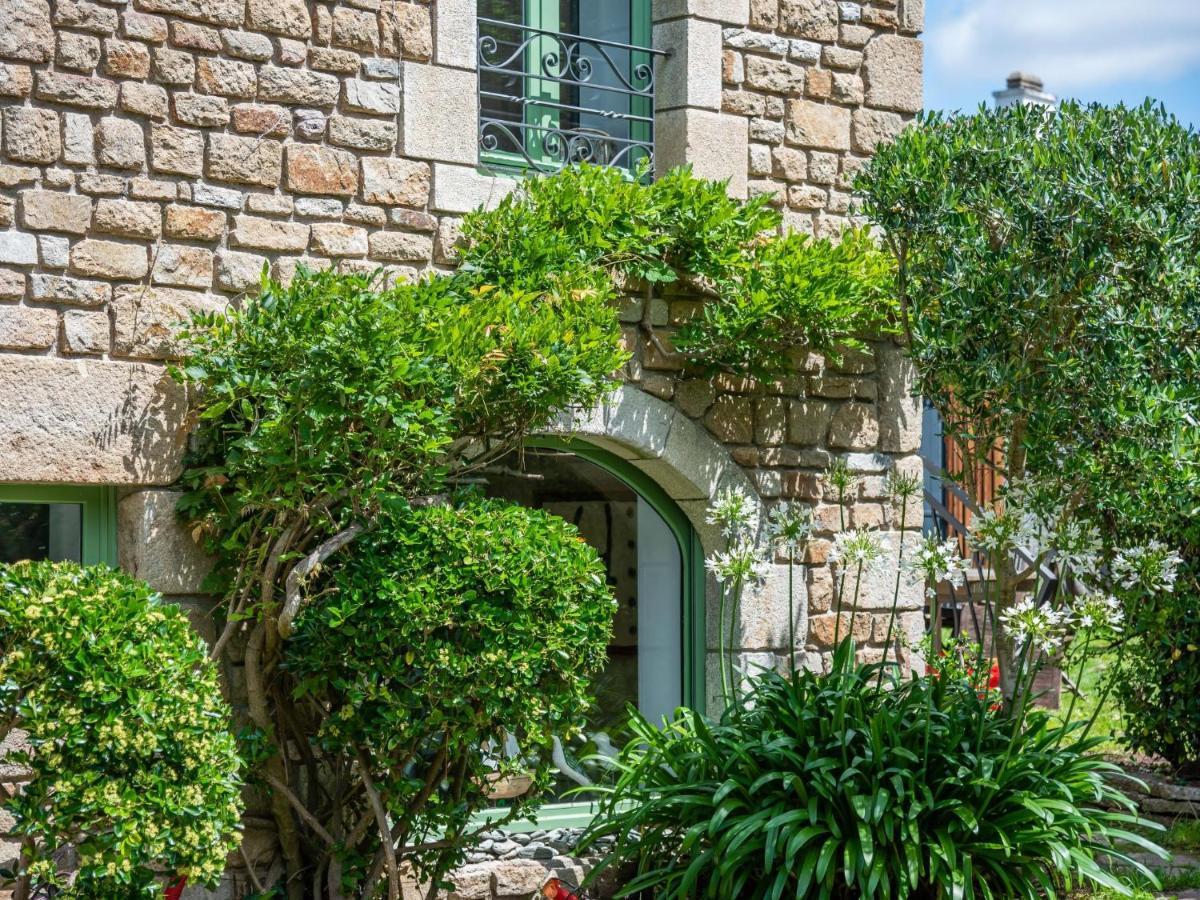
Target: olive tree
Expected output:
[1049,279]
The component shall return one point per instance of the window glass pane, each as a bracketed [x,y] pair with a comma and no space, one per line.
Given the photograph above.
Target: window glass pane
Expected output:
[38,531]
[602,85]
[501,109]
[645,572]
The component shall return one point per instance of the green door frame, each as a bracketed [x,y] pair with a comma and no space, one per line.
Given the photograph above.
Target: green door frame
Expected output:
[692,624]
[99,504]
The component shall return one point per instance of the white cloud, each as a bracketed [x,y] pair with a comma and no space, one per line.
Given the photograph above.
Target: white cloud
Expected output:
[1071,44]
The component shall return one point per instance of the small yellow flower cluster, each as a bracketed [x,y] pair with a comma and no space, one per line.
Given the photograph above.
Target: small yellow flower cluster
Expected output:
[129,744]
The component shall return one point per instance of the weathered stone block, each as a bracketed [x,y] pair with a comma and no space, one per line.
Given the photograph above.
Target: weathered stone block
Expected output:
[892,67]
[12,284]
[85,333]
[406,31]
[80,52]
[872,127]
[320,170]
[147,100]
[173,66]
[27,33]
[193,223]
[143,27]
[176,150]
[327,59]
[15,81]
[183,266]
[437,101]
[289,86]
[355,28]
[77,90]
[247,45]
[266,234]
[244,160]
[395,181]
[73,291]
[691,76]
[120,143]
[375,97]
[816,20]
[222,198]
[774,75]
[126,59]
[55,251]
[89,422]
[201,110]
[55,211]
[363,134]
[855,426]
[31,135]
[218,12]
[399,246]
[262,119]
[153,544]
[226,77]
[455,29]
[818,125]
[108,259]
[27,328]
[715,144]
[147,319]
[335,239]
[238,271]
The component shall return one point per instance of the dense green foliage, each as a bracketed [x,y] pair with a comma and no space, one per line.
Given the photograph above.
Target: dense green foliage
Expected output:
[489,621]
[825,786]
[766,295]
[333,395]
[129,759]
[1049,271]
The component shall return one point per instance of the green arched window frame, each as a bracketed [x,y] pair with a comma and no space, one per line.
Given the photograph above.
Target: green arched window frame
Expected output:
[99,514]
[692,626]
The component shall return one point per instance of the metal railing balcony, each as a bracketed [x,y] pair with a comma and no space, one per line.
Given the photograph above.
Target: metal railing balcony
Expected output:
[550,99]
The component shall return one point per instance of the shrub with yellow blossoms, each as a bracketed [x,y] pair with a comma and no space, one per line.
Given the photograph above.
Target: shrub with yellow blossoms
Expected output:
[128,770]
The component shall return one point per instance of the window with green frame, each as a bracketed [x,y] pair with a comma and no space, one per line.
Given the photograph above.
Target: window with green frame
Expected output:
[58,522]
[656,571]
[565,81]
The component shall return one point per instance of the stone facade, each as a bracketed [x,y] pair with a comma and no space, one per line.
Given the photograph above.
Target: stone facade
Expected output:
[155,155]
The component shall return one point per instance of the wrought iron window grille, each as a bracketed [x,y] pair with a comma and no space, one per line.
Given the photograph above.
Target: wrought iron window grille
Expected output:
[550,99]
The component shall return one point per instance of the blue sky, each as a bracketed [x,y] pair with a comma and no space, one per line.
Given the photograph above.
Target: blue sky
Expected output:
[1102,50]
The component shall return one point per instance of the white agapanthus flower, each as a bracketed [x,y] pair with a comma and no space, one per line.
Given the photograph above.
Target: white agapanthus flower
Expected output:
[1077,547]
[790,526]
[996,531]
[1035,626]
[1096,611]
[740,564]
[934,562]
[733,511]
[1152,568]
[859,547]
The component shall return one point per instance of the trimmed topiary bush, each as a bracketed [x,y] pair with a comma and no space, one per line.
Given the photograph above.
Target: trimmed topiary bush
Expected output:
[128,770]
[450,631]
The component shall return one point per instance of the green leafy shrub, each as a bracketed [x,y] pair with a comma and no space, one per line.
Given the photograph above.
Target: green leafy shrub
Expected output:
[767,295]
[452,629]
[128,756]
[826,786]
[1049,273]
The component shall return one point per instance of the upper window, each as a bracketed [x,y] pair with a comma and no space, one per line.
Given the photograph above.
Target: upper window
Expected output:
[57,523]
[565,81]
